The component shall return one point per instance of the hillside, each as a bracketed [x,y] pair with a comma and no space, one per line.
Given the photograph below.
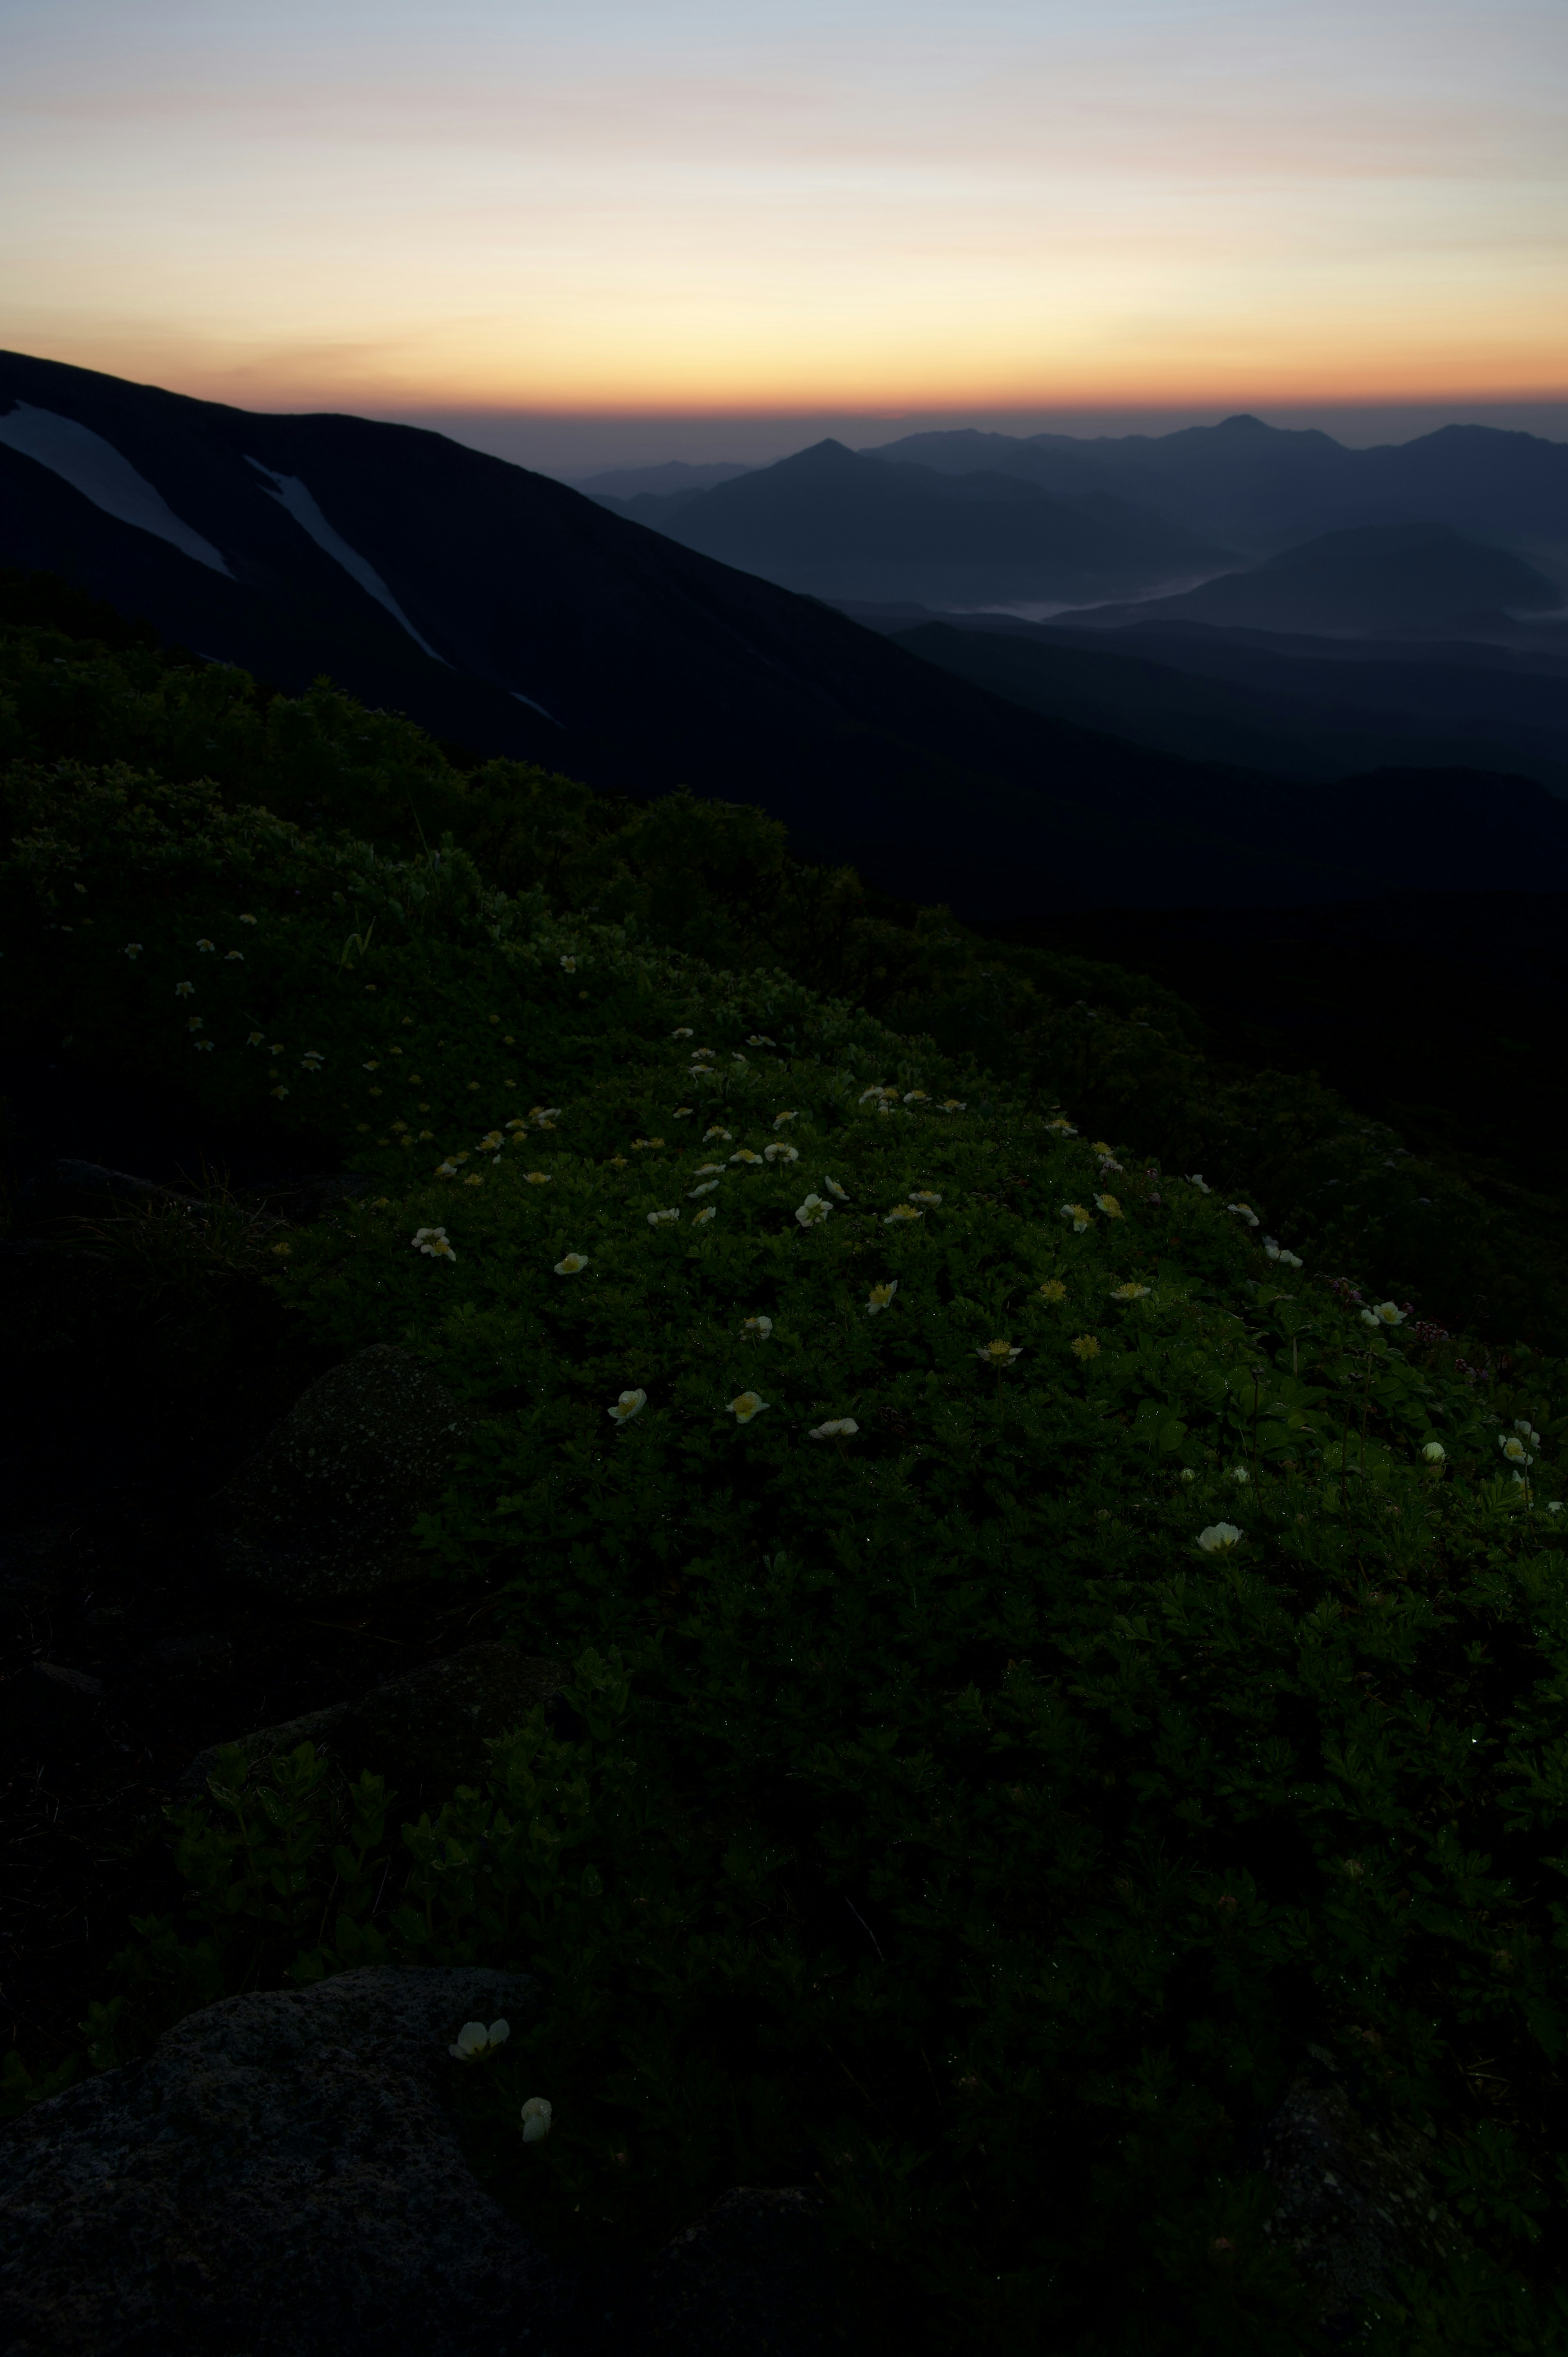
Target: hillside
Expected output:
[1010,1595]
[1379,578]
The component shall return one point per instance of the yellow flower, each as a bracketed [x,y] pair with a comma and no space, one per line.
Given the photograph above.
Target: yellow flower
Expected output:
[1084,1346]
[646,1145]
[841,1427]
[760,1326]
[475,1178]
[1128,1292]
[901,1214]
[514,1125]
[536,1179]
[1100,1146]
[1109,1205]
[1053,1289]
[1078,1215]
[1061,1127]
[881,1297]
[629,1403]
[951,1104]
[999,1354]
[780,1118]
[488,1144]
[283,1250]
[705,1215]
[744,1407]
[572,1265]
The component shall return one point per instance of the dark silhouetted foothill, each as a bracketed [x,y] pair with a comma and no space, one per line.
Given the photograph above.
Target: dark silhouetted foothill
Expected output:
[427,1729]
[1356,2203]
[278,2176]
[751,2278]
[326,1507]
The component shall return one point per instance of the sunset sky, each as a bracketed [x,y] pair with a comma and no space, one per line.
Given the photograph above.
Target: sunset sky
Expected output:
[840,208]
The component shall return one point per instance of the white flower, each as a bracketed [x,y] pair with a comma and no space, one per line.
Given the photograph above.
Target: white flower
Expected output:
[133,950]
[841,1427]
[916,1096]
[738,1059]
[1240,1475]
[185,990]
[716,1132]
[681,1031]
[279,1091]
[207,1044]
[433,1243]
[923,1195]
[745,1157]
[1522,1426]
[473,2040]
[705,1189]
[1079,1217]
[568,966]
[234,957]
[780,1118]
[1285,1259]
[781,1153]
[1195,1179]
[684,1112]
[1061,1126]
[1108,1162]
[710,1170]
[664,1218]
[1514,1449]
[744,1407]
[760,1326]
[702,1051]
[999,1353]
[1385,1313]
[1245,1211]
[195,1023]
[255,1038]
[901,1214]
[572,1265]
[1128,1292]
[1554,1505]
[875,1094]
[629,1403]
[813,1212]
[247,920]
[536,2118]
[951,1104]
[447,1169]
[1218,1536]
[536,1179]
[205,945]
[1187,1474]
[1433,1452]
[761,1039]
[836,1190]
[881,1297]
[705,1215]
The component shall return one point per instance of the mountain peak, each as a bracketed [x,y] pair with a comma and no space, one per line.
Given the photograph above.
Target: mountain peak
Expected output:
[1243,417]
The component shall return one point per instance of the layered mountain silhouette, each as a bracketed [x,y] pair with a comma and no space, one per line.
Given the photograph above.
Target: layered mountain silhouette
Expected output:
[509,614]
[839,526]
[1258,488]
[1376,578]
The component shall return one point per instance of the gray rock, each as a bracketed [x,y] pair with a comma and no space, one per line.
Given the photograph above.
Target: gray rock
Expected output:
[278,2179]
[425,1732]
[326,1505]
[751,2278]
[1355,2200]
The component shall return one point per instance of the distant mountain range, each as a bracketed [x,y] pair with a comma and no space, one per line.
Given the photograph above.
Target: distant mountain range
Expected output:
[511,615]
[839,526]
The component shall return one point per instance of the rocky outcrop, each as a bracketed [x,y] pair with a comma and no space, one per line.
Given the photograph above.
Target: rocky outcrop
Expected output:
[1355,2200]
[425,1732]
[280,2179]
[326,1505]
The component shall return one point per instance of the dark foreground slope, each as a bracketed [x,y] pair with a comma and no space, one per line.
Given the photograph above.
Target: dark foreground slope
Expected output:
[503,611]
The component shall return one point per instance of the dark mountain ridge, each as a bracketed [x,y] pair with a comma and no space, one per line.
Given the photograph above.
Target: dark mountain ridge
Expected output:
[507,613]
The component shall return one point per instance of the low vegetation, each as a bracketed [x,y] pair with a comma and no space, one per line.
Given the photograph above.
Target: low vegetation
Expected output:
[1054,1635]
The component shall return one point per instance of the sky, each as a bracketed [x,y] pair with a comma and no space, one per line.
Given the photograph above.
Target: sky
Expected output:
[621,224]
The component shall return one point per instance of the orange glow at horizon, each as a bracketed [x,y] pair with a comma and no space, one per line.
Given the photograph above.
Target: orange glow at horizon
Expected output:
[861,207]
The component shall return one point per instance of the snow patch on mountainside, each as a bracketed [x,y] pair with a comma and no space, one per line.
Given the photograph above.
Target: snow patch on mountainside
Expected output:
[292,494]
[533,706]
[96,469]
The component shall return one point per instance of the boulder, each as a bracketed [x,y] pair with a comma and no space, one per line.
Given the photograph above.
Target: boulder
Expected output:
[751,2278]
[278,2178]
[1356,2202]
[425,1732]
[326,1505]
